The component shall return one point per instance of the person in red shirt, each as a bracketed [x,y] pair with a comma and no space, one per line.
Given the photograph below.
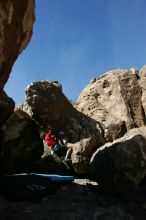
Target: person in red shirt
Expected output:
[58,144]
[51,140]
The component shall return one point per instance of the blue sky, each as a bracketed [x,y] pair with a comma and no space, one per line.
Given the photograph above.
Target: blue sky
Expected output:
[76,40]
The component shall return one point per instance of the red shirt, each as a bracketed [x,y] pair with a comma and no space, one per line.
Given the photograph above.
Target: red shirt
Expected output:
[50,139]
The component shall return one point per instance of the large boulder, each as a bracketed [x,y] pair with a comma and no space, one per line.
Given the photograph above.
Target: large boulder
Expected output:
[47,105]
[114,100]
[120,166]
[6,107]
[45,102]
[22,146]
[16,22]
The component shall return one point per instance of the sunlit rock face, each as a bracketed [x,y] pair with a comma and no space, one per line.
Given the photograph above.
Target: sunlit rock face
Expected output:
[16,22]
[114,100]
[142,75]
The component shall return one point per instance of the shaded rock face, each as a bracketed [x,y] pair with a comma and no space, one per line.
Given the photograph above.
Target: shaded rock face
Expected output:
[47,105]
[86,135]
[115,131]
[121,165]
[22,146]
[114,99]
[50,164]
[16,22]
[6,107]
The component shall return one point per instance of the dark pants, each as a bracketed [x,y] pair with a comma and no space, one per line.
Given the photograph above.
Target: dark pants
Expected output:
[60,150]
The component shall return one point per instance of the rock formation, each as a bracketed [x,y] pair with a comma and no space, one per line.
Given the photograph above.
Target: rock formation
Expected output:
[114,100]
[120,166]
[22,146]
[18,151]
[107,108]
[16,22]
[45,103]
[48,106]
[110,109]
